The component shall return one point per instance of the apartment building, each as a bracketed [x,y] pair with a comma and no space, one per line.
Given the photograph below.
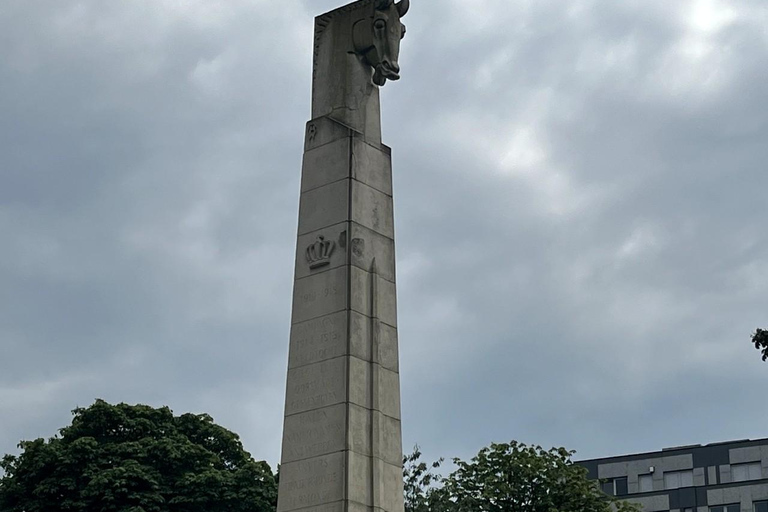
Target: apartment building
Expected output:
[719,477]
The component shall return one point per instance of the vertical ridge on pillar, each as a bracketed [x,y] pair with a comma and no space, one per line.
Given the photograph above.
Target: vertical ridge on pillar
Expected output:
[342,448]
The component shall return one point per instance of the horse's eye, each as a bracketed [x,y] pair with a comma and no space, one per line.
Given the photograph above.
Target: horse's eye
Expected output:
[380,25]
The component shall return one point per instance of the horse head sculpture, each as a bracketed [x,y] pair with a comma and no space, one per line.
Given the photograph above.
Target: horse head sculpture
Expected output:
[377,39]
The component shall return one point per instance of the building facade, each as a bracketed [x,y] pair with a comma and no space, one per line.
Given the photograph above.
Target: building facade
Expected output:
[719,477]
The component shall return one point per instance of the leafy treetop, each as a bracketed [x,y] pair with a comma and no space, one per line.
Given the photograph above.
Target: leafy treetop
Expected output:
[140,459]
[507,477]
[760,339]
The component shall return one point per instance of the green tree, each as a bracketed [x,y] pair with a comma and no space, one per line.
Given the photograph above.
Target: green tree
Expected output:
[418,482]
[510,477]
[139,459]
[760,339]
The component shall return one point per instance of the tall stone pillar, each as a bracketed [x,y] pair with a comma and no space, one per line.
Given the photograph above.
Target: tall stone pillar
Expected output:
[341,440]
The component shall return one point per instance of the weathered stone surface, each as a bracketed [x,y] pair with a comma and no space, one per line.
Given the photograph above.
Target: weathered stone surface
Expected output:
[314,433]
[316,386]
[373,482]
[336,234]
[372,165]
[351,58]
[360,336]
[360,383]
[319,295]
[324,206]
[337,506]
[387,444]
[311,482]
[374,387]
[342,448]
[318,340]
[326,164]
[388,394]
[388,355]
[372,209]
[367,245]
[360,299]
[377,39]
[372,433]
[324,130]
[360,333]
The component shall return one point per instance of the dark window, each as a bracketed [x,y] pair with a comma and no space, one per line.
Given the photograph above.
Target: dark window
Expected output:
[761,506]
[608,487]
[621,486]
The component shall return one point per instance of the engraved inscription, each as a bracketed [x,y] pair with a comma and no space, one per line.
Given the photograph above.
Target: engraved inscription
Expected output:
[311,482]
[314,433]
[315,295]
[315,386]
[319,295]
[319,339]
[311,132]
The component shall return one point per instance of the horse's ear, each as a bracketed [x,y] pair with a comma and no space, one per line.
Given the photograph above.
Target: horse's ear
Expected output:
[383,5]
[403,6]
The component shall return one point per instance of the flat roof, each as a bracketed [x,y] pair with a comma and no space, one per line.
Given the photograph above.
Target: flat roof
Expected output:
[686,448]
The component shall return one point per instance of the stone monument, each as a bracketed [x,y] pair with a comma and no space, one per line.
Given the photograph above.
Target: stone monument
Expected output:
[342,448]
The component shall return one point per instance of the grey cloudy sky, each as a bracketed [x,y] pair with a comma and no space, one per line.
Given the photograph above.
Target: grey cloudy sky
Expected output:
[580,210]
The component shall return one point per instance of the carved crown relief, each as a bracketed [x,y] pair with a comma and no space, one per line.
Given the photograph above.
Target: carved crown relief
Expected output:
[319,253]
[377,39]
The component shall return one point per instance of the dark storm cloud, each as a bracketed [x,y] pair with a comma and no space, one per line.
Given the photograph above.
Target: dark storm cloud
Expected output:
[581,255]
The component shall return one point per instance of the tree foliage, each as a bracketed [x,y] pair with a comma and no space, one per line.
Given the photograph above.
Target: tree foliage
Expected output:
[508,477]
[760,339]
[419,482]
[138,459]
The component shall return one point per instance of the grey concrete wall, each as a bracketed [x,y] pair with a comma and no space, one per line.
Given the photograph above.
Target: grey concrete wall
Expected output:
[744,495]
[718,480]
[652,503]
[747,454]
